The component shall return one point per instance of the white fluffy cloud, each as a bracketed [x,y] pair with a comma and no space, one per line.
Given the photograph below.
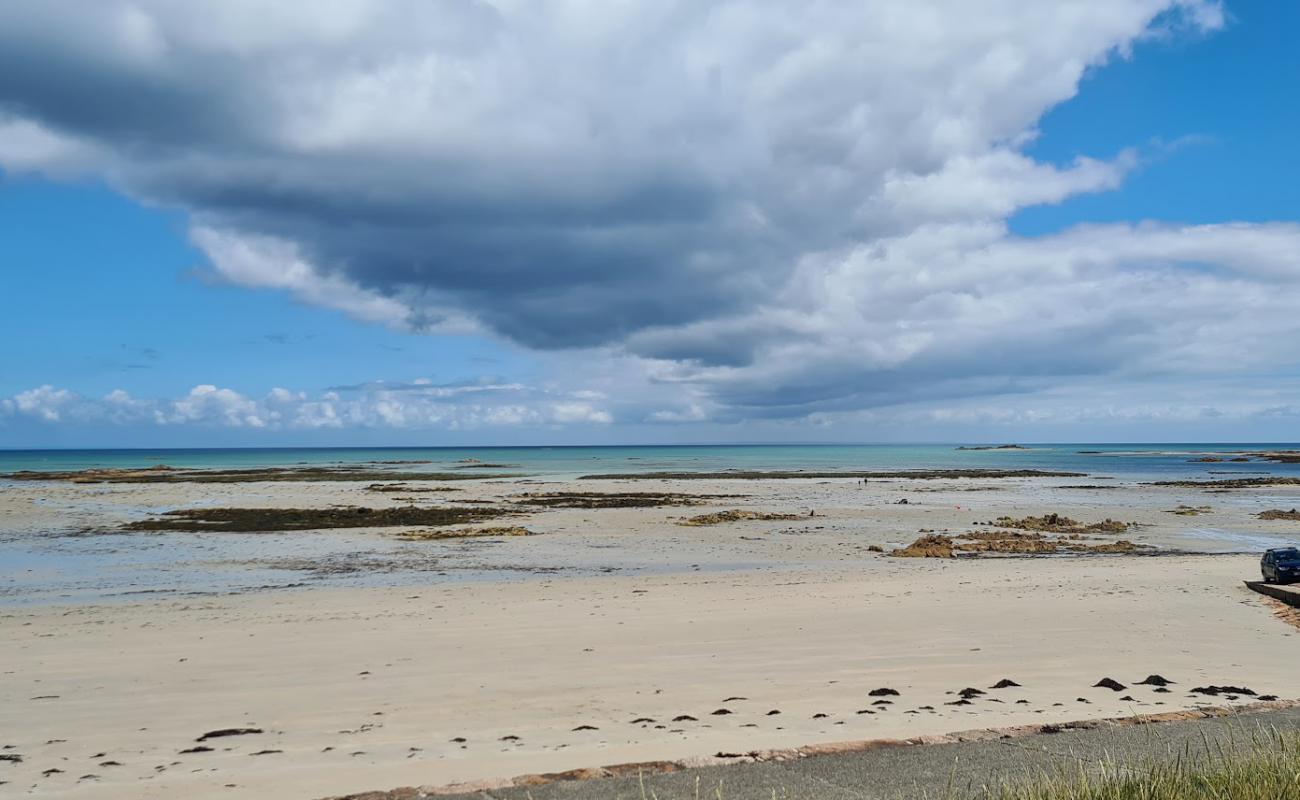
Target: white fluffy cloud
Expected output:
[742,208]
[415,406]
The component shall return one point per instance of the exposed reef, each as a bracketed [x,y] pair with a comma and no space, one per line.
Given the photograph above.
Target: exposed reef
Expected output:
[1189,511]
[1232,483]
[937,545]
[165,474]
[616,499]
[1056,523]
[1276,513]
[259,520]
[914,474]
[735,515]
[462,533]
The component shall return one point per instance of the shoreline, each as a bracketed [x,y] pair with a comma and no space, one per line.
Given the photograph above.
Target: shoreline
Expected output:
[618,629]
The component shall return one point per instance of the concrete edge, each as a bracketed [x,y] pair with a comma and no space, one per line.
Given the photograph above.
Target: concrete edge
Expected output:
[810,751]
[1280,593]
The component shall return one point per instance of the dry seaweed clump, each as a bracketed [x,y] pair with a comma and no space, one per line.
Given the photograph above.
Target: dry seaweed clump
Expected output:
[736,515]
[462,533]
[1277,513]
[1056,523]
[615,499]
[937,545]
[263,520]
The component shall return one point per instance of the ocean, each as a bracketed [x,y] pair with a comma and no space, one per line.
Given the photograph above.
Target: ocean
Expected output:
[1121,460]
[79,557]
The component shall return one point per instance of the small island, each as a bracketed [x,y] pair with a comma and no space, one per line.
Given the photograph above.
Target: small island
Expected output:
[993,447]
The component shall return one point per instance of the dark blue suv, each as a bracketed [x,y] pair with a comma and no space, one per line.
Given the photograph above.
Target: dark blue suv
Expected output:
[1280,565]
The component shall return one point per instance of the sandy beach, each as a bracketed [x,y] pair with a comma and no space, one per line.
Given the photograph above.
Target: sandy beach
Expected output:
[608,635]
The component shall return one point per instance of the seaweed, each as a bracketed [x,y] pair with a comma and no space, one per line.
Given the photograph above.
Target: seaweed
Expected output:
[737,515]
[1056,523]
[462,533]
[165,474]
[257,520]
[1189,511]
[616,499]
[1231,483]
[935,545]
[1276,513]
[915,474]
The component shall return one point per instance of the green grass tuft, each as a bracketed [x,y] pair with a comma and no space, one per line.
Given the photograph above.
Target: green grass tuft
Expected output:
[1265,768]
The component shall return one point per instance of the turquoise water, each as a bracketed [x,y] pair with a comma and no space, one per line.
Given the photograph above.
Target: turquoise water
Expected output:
[1119,459]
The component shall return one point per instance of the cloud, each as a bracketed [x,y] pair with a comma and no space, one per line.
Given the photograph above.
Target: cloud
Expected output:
[44,403]
[409,407]
[965,309]
[736,209]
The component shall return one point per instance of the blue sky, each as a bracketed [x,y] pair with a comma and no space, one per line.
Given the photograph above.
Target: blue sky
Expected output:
[1212,113]
[707,256]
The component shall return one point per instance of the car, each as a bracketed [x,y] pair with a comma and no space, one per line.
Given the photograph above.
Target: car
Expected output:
[1280,565]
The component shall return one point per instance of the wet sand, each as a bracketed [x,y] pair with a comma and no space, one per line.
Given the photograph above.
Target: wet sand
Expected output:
[366,677]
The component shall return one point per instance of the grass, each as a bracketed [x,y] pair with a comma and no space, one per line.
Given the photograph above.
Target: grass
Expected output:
[1266,768]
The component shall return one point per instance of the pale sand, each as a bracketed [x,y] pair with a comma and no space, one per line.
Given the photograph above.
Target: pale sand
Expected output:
[804,620]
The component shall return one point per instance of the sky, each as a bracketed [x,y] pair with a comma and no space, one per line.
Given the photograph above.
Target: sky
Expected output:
[402,222]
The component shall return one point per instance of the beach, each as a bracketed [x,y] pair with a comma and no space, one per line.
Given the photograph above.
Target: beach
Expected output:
[357,658]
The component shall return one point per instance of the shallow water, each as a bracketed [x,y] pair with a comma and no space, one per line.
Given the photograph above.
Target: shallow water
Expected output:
[62,566]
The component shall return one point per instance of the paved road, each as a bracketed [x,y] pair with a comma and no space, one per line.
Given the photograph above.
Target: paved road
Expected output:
[933,771]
